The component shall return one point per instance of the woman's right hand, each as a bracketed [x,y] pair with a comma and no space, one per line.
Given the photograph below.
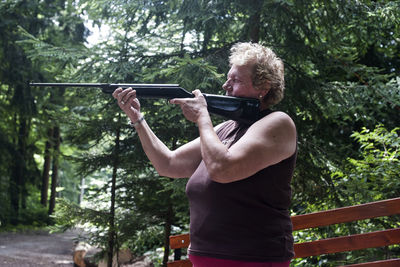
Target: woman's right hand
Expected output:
[128,102]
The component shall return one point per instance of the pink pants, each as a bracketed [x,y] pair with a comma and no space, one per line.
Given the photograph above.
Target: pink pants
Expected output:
[199,261]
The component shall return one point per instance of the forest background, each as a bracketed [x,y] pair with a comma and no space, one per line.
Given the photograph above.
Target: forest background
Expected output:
[68,156]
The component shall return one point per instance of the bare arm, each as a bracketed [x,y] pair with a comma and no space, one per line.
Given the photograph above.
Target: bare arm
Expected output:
[267,142]
[179,163]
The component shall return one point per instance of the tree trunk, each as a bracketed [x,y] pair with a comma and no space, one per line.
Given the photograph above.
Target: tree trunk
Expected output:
[255,21]
[168,219]
[54,174]
[46,169]
[81,195]
[112,232]
[167,232]
[17,178]
[14,191]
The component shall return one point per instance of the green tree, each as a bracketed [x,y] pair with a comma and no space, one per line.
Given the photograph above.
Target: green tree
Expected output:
[24,117]
[342,74]
[373,175]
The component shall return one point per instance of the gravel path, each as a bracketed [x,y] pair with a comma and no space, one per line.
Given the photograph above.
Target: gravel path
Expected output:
[37,249]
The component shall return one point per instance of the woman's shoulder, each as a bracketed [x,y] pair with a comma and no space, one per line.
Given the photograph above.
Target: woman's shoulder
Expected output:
[277,115]
[278,120]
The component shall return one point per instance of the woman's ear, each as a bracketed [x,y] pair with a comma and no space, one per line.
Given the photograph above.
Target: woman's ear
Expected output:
[264,91]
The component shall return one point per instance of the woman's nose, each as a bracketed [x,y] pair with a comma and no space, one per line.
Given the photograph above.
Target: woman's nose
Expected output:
[226,86]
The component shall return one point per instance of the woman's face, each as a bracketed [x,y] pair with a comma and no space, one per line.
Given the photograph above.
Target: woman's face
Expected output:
[239,82]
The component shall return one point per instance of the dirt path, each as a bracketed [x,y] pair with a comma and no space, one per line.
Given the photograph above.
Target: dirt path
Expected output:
[37,249]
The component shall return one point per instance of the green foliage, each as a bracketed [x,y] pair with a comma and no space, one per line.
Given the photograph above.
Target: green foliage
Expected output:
[342,78]
[371,177]
[69,214]
[34,214]
[374,175]
[25,111]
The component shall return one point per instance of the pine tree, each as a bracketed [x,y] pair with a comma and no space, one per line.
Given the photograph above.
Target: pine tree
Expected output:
[342,73]
[21,105]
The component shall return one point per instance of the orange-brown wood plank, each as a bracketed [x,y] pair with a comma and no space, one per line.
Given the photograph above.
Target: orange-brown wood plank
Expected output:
[181,263]
[383,263]
[347,214]
[179,241]
[347,243]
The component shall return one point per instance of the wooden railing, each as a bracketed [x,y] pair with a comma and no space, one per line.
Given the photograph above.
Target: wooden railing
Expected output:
[332,245]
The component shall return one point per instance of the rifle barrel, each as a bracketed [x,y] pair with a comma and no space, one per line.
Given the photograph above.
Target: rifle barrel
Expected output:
[69,84]
[143,90]
[236,108]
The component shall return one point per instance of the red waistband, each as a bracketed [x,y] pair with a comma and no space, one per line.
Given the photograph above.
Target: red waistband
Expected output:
[200,261]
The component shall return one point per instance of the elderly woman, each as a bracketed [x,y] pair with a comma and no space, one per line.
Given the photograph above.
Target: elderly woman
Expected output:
[239,186]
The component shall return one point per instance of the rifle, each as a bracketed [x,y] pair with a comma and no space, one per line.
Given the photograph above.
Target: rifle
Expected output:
[245,110]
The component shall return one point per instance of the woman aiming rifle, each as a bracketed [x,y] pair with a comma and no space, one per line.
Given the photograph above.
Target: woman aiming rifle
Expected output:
[239,187]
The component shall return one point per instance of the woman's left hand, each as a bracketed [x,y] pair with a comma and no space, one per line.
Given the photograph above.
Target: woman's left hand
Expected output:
[192,108]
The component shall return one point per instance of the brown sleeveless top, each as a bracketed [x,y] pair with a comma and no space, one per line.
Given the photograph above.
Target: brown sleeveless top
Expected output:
[245,220]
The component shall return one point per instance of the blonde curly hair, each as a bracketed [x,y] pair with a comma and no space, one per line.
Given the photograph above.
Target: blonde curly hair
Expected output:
[268,69]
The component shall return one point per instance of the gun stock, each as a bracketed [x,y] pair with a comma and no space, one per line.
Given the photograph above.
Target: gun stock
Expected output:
[245,110]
